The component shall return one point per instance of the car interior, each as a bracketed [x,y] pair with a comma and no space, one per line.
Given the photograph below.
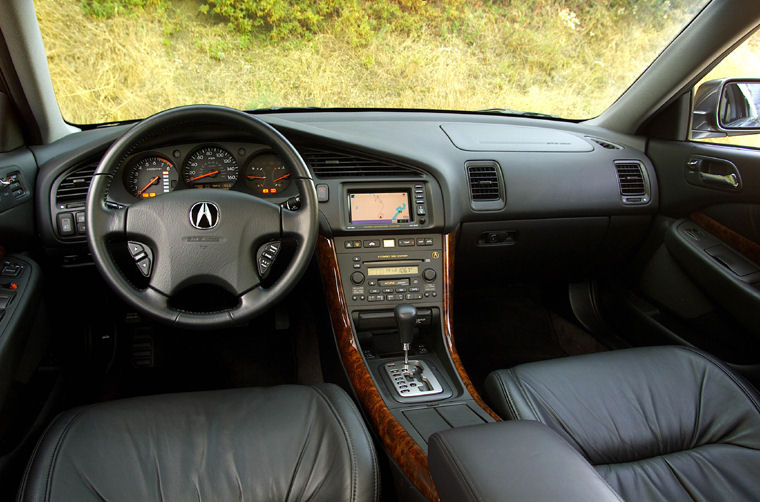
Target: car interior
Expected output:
[384,304]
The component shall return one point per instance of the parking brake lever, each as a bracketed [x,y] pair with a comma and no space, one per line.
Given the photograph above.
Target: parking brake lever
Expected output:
[406,320]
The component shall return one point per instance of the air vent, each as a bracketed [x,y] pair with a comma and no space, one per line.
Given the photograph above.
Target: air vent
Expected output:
[605,144]
[484,178]
[73,187]
[331,164]
[633,182]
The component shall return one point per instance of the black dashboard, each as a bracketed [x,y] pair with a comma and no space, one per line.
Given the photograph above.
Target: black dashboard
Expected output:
[513,188]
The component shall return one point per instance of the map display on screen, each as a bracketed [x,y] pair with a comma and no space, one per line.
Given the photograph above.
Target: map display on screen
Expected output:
[379,208]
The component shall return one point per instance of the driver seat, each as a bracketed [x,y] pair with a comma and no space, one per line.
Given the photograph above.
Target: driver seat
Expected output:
[284,443]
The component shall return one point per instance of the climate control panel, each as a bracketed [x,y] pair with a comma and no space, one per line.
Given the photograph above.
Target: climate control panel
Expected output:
[387,270]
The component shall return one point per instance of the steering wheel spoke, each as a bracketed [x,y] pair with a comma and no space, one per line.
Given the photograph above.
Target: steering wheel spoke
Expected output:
[110,221]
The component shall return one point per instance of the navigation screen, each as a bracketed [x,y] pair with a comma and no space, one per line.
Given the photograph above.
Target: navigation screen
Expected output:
[379,208]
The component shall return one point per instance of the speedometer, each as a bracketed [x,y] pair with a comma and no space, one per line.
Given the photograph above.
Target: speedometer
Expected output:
[210,167]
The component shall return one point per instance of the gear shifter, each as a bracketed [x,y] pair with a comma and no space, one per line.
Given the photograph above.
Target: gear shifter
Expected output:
[411,379]
[406,320]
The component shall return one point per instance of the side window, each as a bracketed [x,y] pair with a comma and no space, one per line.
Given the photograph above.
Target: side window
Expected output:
[742,64]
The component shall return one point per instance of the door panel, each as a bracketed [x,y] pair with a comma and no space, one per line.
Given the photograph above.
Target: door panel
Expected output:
[18,173]
[713,238]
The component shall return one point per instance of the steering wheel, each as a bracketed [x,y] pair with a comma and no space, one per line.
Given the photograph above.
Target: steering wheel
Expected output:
[204,236]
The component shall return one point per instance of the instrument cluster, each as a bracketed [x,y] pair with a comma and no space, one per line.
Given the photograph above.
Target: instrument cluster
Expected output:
[246,167]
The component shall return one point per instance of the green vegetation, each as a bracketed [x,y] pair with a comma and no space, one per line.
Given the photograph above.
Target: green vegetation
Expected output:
[119,59]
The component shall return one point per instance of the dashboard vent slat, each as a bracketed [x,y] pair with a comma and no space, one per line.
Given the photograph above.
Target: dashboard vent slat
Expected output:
[332,164]
[605,144]
[484,180]
[633,182]
[74,186]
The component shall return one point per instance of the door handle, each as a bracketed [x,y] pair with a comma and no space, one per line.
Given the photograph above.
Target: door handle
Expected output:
[730,179]
[711,172]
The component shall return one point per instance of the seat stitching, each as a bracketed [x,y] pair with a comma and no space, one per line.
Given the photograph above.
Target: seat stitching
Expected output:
[28,469]
[373,455]
[564,427]
[354,463]
[678,479]
[56,452]
[679,452]
[528,398]
[508,397]
[729,374]
[300,458]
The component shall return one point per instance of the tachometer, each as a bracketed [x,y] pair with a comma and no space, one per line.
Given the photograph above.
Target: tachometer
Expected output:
[267,175]
[210,167]
[151,176]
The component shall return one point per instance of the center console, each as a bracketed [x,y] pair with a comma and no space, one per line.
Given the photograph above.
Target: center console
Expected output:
[388,271]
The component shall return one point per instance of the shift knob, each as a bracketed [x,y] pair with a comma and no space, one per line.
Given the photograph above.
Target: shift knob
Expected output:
[406,320]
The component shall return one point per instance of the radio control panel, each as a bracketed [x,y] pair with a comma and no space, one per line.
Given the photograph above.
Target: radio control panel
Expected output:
[382,271]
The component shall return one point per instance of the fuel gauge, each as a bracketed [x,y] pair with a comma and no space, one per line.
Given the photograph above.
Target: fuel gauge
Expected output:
[267,175]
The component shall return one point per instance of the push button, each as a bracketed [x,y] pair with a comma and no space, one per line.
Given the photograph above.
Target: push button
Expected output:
[135,248]
[142,255]
[265,256]
[144,266]
[323,193]
[65,224]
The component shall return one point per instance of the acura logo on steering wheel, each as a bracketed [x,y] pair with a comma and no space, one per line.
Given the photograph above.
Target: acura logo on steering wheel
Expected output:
[204,215]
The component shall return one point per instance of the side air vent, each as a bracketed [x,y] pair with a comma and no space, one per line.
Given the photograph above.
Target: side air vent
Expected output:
[605,144]
[332,164]
[633,182]
[486,187]
[73,187]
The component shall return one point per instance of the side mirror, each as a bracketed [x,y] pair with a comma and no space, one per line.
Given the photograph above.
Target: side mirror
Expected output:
[726,107]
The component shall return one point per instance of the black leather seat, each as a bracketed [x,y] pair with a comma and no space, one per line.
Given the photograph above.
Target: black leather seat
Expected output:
[659,424]
[285,443]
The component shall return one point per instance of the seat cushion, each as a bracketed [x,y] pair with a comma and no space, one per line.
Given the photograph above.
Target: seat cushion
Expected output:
[659,423]
[285,443]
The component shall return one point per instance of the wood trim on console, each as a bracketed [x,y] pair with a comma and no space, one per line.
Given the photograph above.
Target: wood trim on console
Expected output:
[745,246]
[404,450]
[398,443]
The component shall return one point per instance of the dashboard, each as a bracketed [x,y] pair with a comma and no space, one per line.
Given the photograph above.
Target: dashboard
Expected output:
[528,194]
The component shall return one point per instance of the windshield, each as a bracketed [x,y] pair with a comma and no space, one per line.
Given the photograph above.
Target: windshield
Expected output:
[114,60]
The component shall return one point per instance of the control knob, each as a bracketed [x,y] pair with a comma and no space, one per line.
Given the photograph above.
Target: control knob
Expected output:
[429,274]
[357,278]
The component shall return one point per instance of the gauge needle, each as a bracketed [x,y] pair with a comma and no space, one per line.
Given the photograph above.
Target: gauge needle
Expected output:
[281,177]
[148,185]
[257,177]
[204,175]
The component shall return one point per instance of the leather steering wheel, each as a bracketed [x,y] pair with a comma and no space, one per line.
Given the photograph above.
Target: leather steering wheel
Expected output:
[185,255]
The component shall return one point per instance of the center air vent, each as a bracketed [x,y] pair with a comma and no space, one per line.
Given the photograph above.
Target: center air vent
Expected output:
[484,179]
[331,164]
[73,187]
[633,182]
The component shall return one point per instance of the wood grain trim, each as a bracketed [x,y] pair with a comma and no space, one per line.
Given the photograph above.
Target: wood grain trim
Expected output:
[449,244]
[745,246]
[398,443]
